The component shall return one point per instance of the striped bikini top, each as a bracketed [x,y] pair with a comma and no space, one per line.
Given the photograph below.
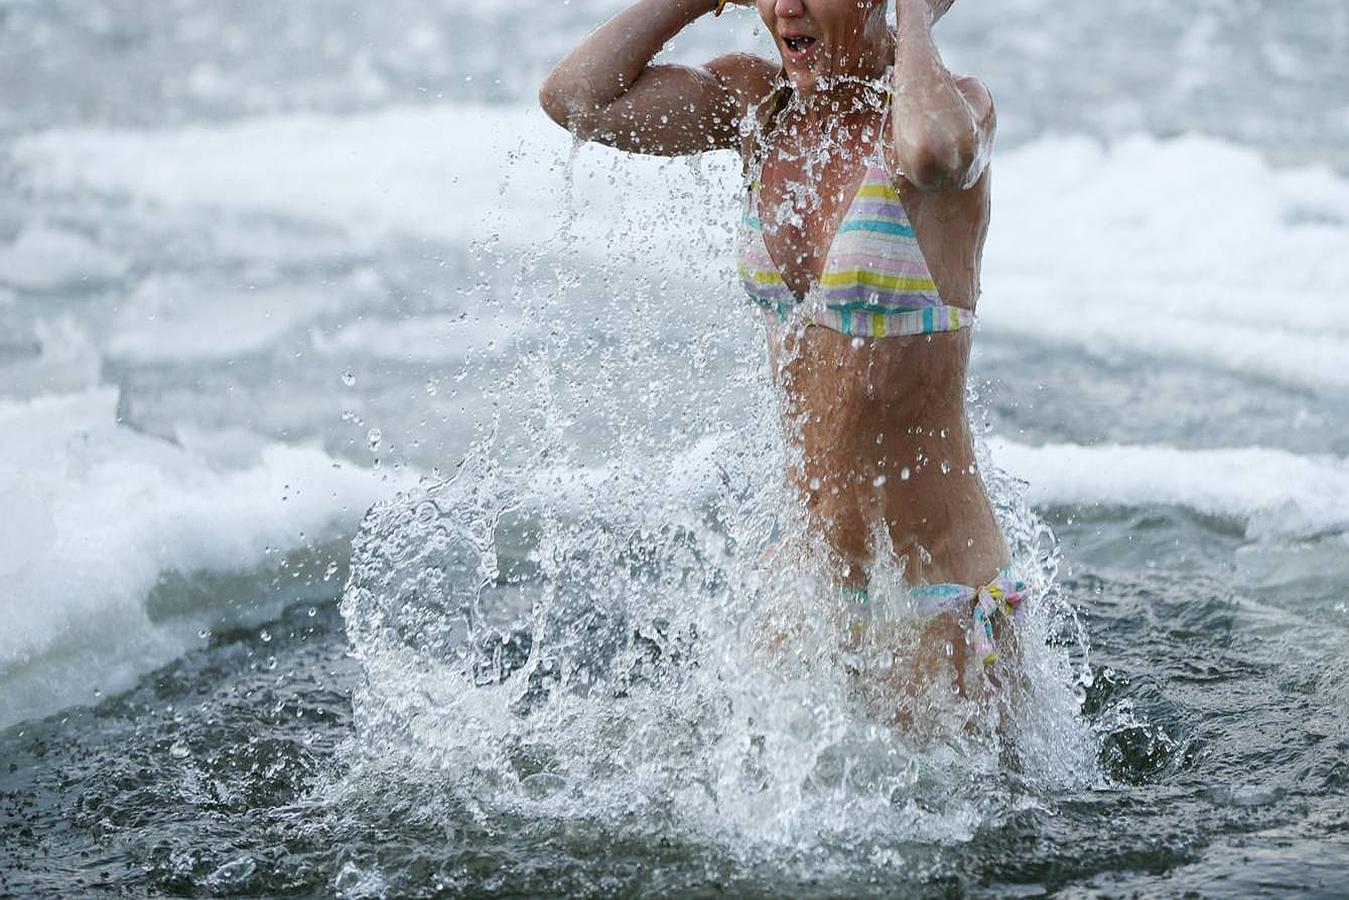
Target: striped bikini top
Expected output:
[875,282]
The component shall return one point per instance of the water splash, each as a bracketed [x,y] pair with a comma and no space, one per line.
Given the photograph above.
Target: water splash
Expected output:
[639,633]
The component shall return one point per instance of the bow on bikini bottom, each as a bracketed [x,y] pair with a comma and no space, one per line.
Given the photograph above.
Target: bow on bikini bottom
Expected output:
[1000,597]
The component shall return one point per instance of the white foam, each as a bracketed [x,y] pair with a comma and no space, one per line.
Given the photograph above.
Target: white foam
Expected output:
[457,174]
[1192,249]
[67,361]
[44,258]
[1271,493]
[95,513]
[177,318]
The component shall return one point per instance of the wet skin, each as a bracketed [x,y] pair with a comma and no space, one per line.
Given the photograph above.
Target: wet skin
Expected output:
[881,422]
[863,411]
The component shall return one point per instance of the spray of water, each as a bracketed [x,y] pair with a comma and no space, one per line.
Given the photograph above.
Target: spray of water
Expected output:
[613,610]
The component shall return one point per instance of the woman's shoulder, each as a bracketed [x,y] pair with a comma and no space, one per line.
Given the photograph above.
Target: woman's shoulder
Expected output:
[752,83]
[749,78]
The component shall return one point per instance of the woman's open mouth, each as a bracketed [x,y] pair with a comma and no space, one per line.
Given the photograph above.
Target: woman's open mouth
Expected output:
[799,46]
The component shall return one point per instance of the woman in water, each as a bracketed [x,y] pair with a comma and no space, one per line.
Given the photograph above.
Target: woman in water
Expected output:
[866,208]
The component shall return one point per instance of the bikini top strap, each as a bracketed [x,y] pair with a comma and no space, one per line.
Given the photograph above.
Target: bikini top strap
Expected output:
[878,149]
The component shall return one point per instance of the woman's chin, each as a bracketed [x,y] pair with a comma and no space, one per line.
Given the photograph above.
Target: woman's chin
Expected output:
[804,80]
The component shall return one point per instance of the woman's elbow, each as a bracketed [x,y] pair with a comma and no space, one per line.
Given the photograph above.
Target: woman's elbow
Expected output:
[553,98]
[570,105]
[943,165]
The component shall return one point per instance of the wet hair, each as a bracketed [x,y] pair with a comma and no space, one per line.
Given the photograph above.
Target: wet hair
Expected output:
[778,100]
[764,122]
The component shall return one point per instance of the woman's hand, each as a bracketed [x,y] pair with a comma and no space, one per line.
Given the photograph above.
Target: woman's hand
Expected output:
[934,9]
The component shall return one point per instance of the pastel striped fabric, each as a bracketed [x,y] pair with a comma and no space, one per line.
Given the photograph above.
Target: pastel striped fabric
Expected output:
[875,281]
[1002,596]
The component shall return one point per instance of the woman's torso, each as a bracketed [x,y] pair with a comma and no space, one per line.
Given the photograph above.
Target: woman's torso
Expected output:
[880,422]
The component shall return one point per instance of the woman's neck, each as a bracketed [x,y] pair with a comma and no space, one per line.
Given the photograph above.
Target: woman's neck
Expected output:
[856,88]
[841,101]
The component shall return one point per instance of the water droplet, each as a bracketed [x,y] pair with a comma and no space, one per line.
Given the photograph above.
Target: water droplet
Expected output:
[878,481]
[542,785]
[349,379]
[265,636]
[178,750]
[373,437]
[945,467]
[904,474]
[814,484]
[312,611]
[234,873]
[329,572]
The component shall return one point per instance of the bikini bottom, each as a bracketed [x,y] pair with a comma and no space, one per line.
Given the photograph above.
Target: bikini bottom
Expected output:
[1002,596]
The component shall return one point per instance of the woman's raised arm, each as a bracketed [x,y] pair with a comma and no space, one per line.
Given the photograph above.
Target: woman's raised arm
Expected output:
[606,90]
[943,125]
